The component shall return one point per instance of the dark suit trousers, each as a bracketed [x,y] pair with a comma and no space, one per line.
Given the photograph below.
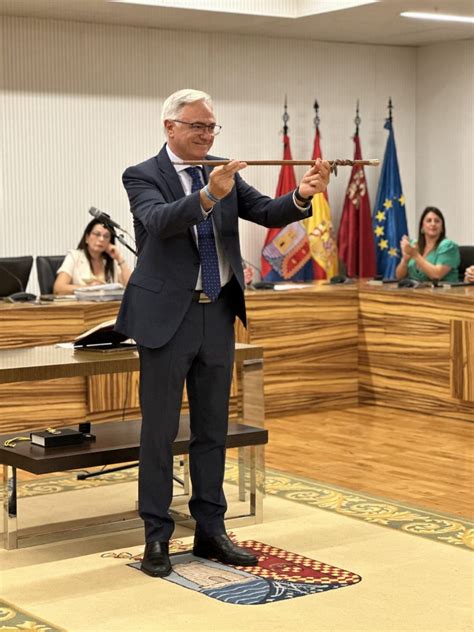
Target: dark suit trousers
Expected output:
[201,353]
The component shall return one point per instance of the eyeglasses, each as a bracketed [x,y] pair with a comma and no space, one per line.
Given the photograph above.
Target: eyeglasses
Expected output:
[96,233]
[199,128]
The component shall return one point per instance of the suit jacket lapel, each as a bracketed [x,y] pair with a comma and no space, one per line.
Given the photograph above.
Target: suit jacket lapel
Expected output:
[168,172]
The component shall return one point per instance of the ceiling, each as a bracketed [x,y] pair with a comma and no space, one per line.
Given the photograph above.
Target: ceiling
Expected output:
[376,23]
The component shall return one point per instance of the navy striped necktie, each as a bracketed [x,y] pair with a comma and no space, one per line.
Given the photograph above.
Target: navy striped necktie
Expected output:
[211,281]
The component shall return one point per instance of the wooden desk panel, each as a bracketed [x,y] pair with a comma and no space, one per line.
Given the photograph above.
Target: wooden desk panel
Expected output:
[406,351]
[324,347]
[52,402]
[31,324]
[309,337]
[27,403]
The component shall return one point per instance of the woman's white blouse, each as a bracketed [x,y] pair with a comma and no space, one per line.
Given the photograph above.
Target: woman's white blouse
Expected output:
[77,266]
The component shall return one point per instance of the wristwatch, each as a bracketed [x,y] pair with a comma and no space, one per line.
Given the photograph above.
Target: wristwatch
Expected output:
[302,199]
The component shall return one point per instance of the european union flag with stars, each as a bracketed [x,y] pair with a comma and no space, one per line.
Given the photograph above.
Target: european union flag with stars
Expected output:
[389,219]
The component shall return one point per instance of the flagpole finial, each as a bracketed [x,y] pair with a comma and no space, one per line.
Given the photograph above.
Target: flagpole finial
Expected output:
[390,108]
[357,119]
[316,119]
[285,118]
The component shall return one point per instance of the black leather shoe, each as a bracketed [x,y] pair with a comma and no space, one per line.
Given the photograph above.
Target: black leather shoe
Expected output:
[221,547]
[156,559]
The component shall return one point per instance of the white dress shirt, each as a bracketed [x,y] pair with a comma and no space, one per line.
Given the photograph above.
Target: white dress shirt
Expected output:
[225,271]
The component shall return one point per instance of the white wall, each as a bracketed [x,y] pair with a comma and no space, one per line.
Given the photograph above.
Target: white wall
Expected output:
[445,135]
[82,101]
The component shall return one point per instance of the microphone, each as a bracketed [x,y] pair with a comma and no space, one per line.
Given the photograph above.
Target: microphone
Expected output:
[249,263]
[103,217]
[258,285]
[340,278]
[406,282]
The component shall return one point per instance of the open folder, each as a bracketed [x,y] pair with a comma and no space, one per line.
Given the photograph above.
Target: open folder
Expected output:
[103,337]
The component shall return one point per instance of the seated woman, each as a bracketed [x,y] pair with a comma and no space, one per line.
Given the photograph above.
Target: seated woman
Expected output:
[432,257]
[96,260]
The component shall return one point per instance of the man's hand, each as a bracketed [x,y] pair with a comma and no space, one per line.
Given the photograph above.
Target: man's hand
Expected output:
[221,179]
[315,180]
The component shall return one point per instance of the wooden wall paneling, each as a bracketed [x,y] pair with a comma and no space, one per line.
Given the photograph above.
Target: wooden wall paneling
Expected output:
[462,360]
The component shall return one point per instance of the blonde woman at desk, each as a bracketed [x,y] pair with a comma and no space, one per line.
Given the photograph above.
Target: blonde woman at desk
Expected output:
[96,260]
[432,256]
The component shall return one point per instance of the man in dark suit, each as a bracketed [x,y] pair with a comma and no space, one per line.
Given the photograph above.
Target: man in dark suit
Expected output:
[180,305]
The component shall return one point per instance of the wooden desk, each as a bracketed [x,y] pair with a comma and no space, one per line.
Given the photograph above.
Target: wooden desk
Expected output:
[416,349]
[68,399]
[32,324]
[325,346]
[310,343]
[49,363]
[27,405]
[330,346]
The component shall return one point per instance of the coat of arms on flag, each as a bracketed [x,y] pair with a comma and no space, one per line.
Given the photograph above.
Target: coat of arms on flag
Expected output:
[288,251]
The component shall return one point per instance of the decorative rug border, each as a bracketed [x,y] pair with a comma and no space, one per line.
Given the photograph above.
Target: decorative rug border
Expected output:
[14,618]
[443,528]
[380,511]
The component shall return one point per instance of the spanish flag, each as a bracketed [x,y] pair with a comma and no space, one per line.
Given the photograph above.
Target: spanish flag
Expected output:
[321,231]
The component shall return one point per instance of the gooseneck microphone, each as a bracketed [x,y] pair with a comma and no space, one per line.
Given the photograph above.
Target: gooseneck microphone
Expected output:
[258,285]
[106,220]
[103,217]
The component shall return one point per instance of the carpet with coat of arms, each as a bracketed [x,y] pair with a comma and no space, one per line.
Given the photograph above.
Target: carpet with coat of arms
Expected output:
[279,575]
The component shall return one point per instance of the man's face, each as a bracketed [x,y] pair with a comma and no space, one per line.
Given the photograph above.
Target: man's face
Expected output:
[185,142]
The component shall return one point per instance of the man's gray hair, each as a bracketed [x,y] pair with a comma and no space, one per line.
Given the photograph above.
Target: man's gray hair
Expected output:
[176,102]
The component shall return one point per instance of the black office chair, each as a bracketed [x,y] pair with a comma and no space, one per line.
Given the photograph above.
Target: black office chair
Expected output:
[46,268]
[14,276]
[467,259]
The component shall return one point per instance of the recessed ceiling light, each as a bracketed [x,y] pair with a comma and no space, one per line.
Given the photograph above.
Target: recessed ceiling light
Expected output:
[438,16]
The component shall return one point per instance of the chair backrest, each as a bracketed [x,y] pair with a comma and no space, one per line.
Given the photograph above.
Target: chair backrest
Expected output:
[46,268]
[467,259]
[14,274]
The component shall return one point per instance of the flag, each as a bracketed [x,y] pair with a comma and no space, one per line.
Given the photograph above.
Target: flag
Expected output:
[355,238]
[320,230]
[286,253]
[389,217]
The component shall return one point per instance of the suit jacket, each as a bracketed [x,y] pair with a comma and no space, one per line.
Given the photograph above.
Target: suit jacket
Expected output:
[161,287]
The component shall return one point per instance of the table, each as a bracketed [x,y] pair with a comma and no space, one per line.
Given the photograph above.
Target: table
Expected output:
[416,349]
[331,346]
[25,405]
[51,362]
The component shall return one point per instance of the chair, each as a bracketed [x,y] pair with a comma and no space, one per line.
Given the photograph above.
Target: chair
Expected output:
[467,259]
[46,268]
[15,273]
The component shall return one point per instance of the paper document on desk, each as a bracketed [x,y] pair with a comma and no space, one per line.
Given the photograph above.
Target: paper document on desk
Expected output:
[108,287]
[290,286]
[103,292]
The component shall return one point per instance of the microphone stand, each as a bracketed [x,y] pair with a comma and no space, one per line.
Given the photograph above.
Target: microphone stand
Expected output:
[121,239]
